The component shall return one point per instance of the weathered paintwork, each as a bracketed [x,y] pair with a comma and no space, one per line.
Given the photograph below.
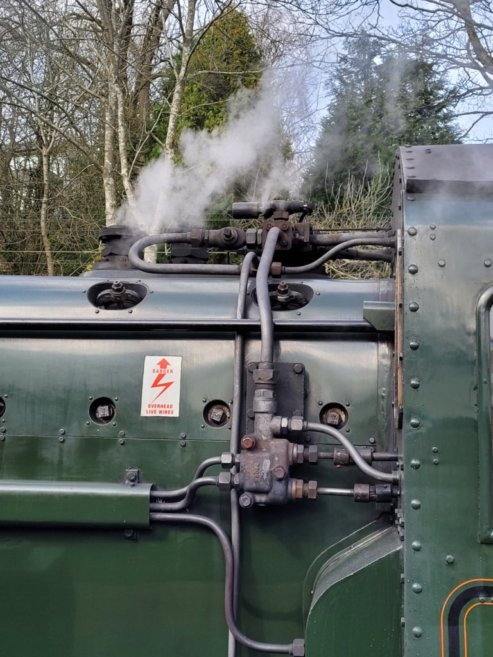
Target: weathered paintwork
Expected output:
[88,592]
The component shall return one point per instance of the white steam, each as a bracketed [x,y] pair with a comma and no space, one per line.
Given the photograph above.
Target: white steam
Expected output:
[248,149]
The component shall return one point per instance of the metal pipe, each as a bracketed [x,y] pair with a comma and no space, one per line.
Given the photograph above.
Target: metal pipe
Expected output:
[296,647]
[387,241]
[177,493]
[154,268]
[234,444]
[353,452]
[188,499]
[347,492]
[263,299]
[330,238]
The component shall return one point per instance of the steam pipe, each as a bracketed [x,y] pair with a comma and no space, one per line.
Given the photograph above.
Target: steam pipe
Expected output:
[187,500]
[263,299]
[331,238]
[296,647]
[353,452]
[234,444]
[386,241]
[177,493]
[138,262]
[346,492]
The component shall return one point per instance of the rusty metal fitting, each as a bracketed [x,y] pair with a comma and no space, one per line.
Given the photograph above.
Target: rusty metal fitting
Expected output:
[248,442]
[265,375]
[224,481]
[198,236]
[361,492]
[310,490]
[296,424]
[279,425]
[278,472]
[296,489]
[228,460]
[276,269]
[297,454]
[311,454]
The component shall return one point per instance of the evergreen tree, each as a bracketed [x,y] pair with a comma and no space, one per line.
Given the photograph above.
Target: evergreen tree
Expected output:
[380,99]
[226,60]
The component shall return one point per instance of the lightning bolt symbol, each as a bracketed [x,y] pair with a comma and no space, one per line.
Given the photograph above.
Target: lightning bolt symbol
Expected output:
[164,385]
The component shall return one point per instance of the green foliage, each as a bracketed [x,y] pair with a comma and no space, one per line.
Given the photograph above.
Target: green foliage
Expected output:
[380,98]
[225,60]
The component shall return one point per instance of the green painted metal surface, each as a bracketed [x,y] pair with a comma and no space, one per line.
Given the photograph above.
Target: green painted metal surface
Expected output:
[90,592]
[356,600]
[448,244]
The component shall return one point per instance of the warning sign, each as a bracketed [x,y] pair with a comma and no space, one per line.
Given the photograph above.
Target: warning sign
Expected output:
[161,386]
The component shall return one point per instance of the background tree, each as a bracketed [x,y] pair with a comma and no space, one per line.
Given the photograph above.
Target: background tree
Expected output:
[380,98]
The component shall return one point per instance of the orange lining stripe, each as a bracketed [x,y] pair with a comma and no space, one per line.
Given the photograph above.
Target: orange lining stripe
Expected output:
[476,604]
[442,612]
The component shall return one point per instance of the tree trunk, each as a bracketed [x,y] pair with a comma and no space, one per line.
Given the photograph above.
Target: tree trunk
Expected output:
[43,222]
[109,157]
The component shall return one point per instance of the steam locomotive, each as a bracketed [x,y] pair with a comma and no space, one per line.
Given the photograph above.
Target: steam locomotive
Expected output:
[233,459]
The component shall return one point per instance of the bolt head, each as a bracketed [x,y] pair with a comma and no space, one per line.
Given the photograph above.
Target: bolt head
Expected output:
[298,648]
[248,442]
[246,500]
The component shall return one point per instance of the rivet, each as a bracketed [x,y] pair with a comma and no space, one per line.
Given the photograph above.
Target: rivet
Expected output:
[434,450]
[450,559]
[414,306]
[487,263]
[113,424]
[415,422]
[61,432]
[202,426]
[415,464]
[412,230]
[441,263]
[403,622]
[433,236]
[121,441]
[204,399]
[61,439]
[183,443]
[121,434]
[416,546]
[2,437]
[371,440]
[414,344]
[436,461]
[432,226]
[414,383]
[130,311]
[298,312]
[416,587]
[417,632]
[416,504]
[96,311]
[3,429]
[90,397]
[320,402]
[413,269]
[87,422]
[116,398]
[183,435]
[411,198]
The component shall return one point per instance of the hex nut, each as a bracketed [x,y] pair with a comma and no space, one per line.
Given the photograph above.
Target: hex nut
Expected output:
[310,490]
[296,423]
[298,648]
[296,489]
[227,460]
[246,500]
[312,454]
[224,481]
[298,453]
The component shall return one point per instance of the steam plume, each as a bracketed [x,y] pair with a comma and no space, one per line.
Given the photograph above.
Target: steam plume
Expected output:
[249,146]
